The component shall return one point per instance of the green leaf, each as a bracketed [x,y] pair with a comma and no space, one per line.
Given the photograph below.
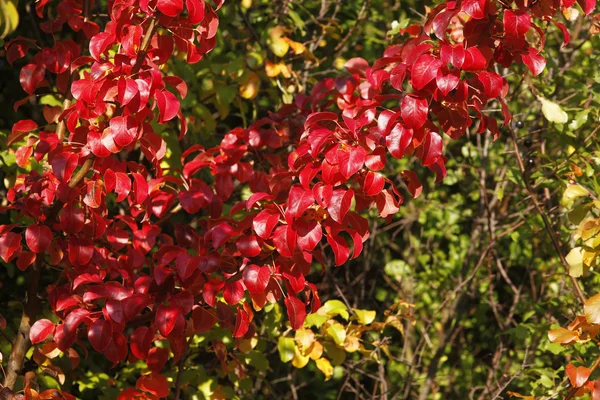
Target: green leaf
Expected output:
[579,120]
[286,348]
[553,112]
[365,317]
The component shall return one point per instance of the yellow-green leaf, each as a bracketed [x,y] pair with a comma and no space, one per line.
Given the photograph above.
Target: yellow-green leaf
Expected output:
[337,333]
[572,193]
[286,348]
[553,112]
[333,308]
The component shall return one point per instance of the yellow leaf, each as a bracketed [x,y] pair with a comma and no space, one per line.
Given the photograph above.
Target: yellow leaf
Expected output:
[575,261]
[299,360]
[592,309]
[365,317]
[304,338]
[351,344]
[315,351]
[297,48]
[325,367]
[272,69]
[249,90]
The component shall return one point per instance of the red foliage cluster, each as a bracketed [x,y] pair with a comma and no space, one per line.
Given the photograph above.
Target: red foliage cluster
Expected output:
[312,168]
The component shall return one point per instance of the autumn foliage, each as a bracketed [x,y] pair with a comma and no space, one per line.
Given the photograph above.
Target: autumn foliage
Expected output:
[313,167]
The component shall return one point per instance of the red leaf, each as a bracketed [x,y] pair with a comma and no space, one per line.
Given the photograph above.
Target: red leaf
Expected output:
[351,160]
[424,70]
[170,8]
[475,8]
[127,89]
[587,5]
[447,81]
[256,278]
[157,358]
[241,323]
[516,24]
[386,203]
[38,238]
[168,105]
[340,248]
[309,234]
[9,243]
[264,222]
[577,375]
[25,259]
[166,318]
[414,111]
[221,234]
[432,148]
[71,219]
[31,77]
[73,320]
[373,183]
[116,350]
[492,83]
[356,65]
[20,129]
[233,292]
[412,182]
[376,160]
[534,61]
[398,140]
[299,200]
[203,320]
[340,203]
[140,342]
[296,311]
[100,334]
[195,12]
[284,239]
[123,130]
[248,246]
[453,54]
[183,300]
[64,164]
[154,383]
[40,330]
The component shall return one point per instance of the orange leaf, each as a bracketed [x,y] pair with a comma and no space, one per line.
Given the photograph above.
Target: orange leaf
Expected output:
[578,375]
[592,309]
